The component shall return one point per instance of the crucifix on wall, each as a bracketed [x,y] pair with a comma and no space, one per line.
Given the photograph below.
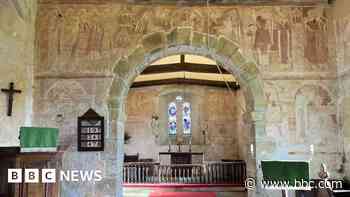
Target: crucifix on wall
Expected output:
[10,92]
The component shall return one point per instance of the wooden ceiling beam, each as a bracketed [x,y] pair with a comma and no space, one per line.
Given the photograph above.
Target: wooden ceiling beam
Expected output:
[195,2]
[233,2]
[182,81]
[184,67]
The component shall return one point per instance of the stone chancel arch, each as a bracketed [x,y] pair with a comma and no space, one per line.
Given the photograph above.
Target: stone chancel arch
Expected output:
[183,40]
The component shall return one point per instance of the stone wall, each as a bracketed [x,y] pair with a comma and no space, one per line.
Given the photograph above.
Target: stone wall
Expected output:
[214,110]
[342,31]
[17,35]
[285,51]
[90,38]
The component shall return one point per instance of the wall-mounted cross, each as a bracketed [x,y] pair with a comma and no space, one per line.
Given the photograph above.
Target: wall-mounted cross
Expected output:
[10,92]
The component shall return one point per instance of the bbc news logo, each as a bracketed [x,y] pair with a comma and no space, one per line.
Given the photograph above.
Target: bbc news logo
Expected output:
[51,175]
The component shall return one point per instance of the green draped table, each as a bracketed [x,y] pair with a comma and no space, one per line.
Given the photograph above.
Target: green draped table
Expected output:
[286,172]
[37,139]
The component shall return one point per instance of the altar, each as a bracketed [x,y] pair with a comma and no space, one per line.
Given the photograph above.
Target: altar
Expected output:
[183,157]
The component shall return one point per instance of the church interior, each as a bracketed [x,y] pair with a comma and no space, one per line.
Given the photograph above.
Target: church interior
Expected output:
[174,98]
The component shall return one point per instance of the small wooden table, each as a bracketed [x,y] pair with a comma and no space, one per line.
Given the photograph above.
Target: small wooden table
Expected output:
[181,157]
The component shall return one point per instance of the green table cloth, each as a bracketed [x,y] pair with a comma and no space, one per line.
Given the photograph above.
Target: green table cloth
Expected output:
[36,139]
[285,171]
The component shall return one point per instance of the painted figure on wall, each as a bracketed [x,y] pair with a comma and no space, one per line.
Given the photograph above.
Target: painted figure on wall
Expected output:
[314,114]
[89,40]
[282,41]
[262,35]
[55,41]
[316,49]
[187,17]
[161,19]
[274,109]
[57,31]
[95,40]
[346,33]
[232,22]
[262,41]
[282,37]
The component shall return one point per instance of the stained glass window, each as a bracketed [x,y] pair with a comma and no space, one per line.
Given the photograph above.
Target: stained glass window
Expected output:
[186,112]
[172,118]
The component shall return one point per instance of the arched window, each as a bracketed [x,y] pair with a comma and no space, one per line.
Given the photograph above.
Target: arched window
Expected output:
[172,111]
[186,116]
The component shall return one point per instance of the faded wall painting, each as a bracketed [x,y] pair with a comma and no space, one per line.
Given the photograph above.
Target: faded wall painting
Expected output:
[316,49]
[316,116]
[90,38]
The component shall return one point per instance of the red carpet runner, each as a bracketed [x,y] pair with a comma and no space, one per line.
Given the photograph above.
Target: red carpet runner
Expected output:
[182,194]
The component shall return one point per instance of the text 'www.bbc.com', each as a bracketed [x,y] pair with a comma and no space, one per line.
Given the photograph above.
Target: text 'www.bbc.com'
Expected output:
[251,184]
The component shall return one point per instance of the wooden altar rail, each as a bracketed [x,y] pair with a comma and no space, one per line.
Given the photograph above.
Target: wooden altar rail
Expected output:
[233,173]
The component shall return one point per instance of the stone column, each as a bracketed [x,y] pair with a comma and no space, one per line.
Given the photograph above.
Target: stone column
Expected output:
[258,124]
[117,114]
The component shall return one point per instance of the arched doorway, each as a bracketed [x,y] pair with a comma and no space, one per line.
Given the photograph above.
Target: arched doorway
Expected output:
[183,40]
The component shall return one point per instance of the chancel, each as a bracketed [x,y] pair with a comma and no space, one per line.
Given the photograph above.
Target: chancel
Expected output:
[175,98]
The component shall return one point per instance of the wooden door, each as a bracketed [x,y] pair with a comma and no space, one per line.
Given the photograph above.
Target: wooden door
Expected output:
[38,189]
[6,189]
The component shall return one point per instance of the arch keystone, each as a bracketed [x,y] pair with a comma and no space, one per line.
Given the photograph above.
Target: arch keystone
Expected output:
[199,39]
[180,36]
[212,41]
[203,40]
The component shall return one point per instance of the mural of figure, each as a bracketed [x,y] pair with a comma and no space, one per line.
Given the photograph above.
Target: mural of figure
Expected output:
[262,41]
[282,40]
[262,35]
[81,34]
[314,113]
[232,22]
[80,43]
[188,17]
[274,119]
[89,40]
[282,37]
[56,29]
[296,20]
[120,38]
[55,37]
[95,40]
[316,49]
[301,104]
[346,33]
[141,25]
[161,19]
